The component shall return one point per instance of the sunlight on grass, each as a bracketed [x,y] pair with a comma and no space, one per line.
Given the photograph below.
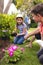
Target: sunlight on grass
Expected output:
[31,29]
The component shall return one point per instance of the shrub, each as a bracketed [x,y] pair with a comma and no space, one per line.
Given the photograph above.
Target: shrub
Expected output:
[33,24]
[7,25]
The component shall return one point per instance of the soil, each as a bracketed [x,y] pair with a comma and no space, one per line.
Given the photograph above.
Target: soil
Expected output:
[3,44]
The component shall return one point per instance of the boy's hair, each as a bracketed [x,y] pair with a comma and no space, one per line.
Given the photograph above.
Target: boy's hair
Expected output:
[38,9]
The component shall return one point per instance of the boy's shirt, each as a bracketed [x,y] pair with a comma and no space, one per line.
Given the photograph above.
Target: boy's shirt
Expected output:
[41,28]
[41,31]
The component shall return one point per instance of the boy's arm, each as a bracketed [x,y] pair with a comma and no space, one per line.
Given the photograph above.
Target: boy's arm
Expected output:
[41,36]
[32,33]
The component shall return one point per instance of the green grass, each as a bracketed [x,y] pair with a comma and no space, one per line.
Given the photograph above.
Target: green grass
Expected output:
[29,56]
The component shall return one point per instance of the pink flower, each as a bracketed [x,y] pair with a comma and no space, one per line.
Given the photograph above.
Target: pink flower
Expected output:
[11,46]
[11,54]
[14,48]
[22,49]
[10,50]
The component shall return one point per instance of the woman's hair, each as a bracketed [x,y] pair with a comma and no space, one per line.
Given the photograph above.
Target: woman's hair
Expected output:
[38,9]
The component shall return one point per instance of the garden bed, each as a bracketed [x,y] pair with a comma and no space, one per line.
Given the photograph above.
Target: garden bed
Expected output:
[3,44]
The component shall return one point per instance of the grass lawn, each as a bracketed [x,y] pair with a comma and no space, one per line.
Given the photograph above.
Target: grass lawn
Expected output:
[29,56]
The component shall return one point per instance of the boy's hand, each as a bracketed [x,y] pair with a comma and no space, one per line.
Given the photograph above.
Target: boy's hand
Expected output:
[27,36]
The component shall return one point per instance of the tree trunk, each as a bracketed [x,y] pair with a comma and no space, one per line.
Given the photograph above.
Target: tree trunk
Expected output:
[7,7]
[1,6]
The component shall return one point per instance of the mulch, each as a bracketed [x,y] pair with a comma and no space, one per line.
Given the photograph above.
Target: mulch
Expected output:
[3,44]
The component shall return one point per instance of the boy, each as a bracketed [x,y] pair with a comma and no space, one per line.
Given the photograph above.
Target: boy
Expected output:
[37,14]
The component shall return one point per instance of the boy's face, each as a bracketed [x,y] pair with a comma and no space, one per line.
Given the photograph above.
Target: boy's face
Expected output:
[19,20]
[36,18]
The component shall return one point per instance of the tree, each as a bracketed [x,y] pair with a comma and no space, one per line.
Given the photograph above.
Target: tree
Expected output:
[15,2]
[7,7]
[1,6]
[37,1]
[19,3]
[26,6]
